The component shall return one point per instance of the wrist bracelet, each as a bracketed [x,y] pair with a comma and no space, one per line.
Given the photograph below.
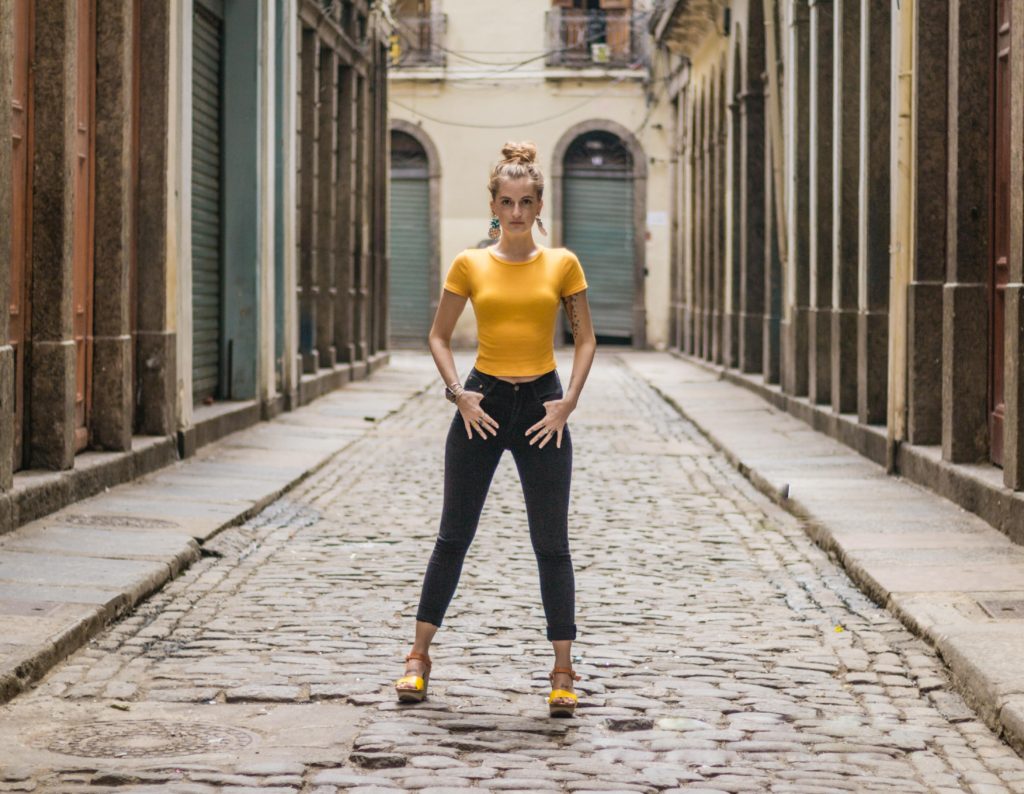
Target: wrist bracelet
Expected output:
[452,392]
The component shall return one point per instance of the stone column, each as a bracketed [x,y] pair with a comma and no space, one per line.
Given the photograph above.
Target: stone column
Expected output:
[924,293]
[308,162]
[362,198]
[699,221]
[51,381]
[6,197]
[345,244]
[155,338]
[819,247]
[717,247]
[112,382]
[772,273]
[731,191]
[689,224]
[326,206]
[381,182]
[965,298]
[752,219]
[845,163]
[675,225]
[797,276]
[875,199]
[1013,448]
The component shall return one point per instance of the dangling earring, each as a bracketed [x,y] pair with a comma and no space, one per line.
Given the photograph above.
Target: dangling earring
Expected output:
[495,231]
[540,226]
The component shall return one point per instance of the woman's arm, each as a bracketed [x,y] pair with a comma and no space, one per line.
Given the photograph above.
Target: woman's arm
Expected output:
[449,309]
[557,412]
[440,342]
[577,309]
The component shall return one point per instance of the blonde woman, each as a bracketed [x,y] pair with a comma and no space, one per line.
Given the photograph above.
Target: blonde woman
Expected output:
[512,399]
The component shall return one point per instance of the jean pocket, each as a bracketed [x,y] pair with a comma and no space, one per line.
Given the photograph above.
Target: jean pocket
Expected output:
[475,383]
[549,396]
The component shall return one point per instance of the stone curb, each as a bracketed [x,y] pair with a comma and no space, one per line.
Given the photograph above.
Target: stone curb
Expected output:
[981,678]
[44,618]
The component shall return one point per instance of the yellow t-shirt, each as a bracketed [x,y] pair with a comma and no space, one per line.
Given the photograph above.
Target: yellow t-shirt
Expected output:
[515,304]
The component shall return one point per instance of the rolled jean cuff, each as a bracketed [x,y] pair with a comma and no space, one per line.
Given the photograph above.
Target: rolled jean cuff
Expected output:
[556,633]
[423,617]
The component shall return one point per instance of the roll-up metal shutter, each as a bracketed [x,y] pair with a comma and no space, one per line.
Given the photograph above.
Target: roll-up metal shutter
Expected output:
[207,171]
[409,275]
[598,220]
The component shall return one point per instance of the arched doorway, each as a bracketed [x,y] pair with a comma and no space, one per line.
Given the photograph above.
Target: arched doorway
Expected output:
[411,275]
[599,227]
[601,199]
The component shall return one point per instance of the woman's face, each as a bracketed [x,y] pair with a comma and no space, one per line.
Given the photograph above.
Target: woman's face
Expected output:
[516,205]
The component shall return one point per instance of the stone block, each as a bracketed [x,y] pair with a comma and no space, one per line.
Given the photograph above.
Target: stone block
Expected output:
[111,420]
[924,360]
[51,436]
[844,361]
[965,375]
[872,366]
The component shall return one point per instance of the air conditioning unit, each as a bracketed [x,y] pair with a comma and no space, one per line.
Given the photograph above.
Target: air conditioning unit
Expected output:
[600,52]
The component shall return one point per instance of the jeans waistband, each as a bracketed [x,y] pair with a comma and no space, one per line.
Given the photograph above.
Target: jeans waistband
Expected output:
[542,385]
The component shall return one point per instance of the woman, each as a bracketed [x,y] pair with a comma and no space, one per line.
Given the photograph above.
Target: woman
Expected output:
[512,399]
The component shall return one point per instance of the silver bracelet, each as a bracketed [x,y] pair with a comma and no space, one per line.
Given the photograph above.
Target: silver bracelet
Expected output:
[452,392]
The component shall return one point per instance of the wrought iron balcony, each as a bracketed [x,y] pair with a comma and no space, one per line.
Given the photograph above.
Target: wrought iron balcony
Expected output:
[602,38]
[418,40]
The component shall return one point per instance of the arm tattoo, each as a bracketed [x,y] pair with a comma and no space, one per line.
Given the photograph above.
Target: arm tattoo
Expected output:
[570,311]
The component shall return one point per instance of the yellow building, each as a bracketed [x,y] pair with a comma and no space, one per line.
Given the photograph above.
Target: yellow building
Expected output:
[575,78]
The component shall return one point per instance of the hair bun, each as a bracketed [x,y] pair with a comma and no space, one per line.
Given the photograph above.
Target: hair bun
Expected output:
[525,153]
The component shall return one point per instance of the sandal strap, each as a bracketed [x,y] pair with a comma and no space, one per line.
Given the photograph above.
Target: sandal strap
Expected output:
[419,657]
[567,670]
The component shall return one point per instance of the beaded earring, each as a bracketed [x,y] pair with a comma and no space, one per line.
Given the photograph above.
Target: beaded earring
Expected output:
[494,232]
[540,226]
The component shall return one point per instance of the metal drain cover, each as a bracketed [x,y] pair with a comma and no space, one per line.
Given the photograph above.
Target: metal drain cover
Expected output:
[145,739]
[1007,608]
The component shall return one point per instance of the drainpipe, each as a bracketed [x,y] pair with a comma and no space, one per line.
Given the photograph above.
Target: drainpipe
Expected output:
[903,130]
[775,122]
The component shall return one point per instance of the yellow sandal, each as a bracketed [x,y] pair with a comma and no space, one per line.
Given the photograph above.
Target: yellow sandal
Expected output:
[412,688]
[567,706]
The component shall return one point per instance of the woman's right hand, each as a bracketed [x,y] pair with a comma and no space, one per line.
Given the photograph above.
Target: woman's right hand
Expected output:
[473,416]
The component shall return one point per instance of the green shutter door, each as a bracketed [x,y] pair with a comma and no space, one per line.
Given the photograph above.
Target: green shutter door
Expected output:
[599,230]
[207,265]
[409,275]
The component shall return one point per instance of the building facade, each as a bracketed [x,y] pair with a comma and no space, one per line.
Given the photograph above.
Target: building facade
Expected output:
[193,229]
[574,76]
[848,224]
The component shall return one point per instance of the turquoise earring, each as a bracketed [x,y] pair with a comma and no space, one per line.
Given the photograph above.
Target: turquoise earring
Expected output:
[495,231]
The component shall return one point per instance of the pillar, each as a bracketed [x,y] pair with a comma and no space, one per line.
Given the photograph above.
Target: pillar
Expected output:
[6,197]
[51,381]
[1013,448]
[924,293]
[797,276]
[752,219]
[875,200]
[819,172]
[965,297]
[845,182]
[346,233]
[155,336]
[326,206]
[308,288]
[112,341]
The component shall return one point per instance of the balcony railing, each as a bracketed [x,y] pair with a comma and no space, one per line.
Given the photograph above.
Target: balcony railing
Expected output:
[418,40]
[604,38]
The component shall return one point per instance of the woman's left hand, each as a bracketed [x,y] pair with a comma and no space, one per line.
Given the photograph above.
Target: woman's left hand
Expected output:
[556,414]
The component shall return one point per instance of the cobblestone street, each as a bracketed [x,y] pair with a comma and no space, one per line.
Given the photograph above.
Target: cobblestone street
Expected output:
[721,651]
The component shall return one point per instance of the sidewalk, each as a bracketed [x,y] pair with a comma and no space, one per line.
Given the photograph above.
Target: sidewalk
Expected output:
[936,566]
[64,577]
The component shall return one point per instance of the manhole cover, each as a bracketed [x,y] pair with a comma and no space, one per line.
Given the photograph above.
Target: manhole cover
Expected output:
[144,739]
[1007,608]
[126,522]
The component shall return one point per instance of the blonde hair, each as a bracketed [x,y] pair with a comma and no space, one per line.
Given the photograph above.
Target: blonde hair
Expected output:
[519,160]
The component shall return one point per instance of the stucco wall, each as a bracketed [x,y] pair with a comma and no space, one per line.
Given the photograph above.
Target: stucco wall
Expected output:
[469,110]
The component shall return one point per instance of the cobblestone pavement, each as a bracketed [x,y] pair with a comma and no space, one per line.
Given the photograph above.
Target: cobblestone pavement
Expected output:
[720,650]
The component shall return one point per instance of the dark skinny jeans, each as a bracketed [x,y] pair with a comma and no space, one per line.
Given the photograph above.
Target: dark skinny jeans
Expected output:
[545,474]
